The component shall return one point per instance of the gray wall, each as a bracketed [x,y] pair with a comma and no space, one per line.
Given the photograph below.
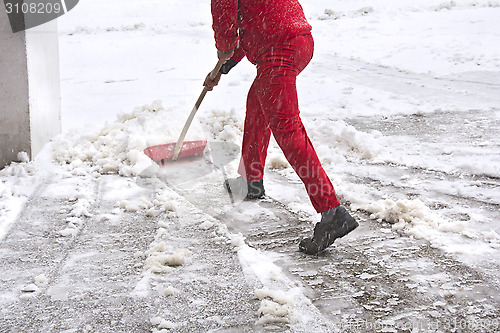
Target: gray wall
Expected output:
[14,99]
[29,89]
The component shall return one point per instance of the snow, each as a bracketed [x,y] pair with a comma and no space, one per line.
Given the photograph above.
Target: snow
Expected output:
[169,291]
[158,262]
[41,280]
[414,36]
[162,324]
[282,300]
[401,104]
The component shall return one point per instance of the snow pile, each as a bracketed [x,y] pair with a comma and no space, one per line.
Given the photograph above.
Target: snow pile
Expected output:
[162,203]
[275,306]
[162,325]
[82,202]
[41,280]
[223,125]
[277,161]
[338,139]
[334,141]
[169,291]
[79,210]
[492,237]
[118,148]
[158,261]
[205,225]
[413,216]
[21,169]
[132,207]
[17,182]
[282,300]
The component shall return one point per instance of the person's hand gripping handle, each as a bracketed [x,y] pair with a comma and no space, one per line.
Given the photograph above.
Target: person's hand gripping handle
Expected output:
[213,78]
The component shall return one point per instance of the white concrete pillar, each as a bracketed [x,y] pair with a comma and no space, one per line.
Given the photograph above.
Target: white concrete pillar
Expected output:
[30,112]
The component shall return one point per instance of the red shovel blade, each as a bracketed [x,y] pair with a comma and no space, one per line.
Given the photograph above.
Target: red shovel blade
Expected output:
[166,151]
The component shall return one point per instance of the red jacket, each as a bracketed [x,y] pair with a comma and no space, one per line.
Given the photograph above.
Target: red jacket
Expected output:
[259,24]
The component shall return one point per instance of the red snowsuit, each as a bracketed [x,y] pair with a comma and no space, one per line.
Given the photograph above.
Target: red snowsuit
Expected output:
[275,36]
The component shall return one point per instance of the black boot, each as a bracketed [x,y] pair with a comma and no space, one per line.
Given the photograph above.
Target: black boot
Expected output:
[335,223]
[244,188]
[256,190]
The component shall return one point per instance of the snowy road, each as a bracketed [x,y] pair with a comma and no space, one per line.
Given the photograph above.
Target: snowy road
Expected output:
[95,280]
[375,280]
[401,102]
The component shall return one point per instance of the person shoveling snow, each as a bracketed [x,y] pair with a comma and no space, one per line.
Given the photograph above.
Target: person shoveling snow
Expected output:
[276,37]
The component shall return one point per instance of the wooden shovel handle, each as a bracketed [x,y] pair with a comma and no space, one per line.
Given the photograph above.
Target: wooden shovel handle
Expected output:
[180,141]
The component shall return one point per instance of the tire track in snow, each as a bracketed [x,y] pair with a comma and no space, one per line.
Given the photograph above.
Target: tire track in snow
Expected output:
[454,89]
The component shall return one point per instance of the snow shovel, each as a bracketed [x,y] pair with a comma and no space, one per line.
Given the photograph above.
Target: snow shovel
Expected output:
[173,151]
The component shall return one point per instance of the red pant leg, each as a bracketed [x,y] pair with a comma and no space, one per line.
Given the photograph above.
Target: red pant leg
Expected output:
[256,136]
[276,93]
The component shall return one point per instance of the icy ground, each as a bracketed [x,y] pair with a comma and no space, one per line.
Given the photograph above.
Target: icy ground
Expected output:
[401,102]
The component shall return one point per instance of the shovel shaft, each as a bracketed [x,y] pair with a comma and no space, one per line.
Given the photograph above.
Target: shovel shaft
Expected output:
[180,141]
